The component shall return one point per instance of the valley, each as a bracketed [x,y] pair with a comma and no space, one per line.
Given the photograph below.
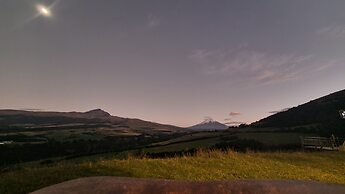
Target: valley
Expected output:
[45,145]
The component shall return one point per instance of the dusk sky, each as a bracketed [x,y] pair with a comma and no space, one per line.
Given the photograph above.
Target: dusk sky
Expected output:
[172,61]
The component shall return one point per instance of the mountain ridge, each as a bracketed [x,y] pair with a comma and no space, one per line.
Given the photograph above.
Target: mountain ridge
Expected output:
[10,118]
[321,114]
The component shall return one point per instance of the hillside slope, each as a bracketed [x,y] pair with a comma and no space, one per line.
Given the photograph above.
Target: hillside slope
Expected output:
[317,166]
[25,120]
[322,114]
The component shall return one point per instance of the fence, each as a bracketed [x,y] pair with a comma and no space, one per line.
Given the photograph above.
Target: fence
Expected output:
[322,143]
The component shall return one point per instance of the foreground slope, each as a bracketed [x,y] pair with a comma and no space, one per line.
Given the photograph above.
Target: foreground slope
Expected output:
[317,166]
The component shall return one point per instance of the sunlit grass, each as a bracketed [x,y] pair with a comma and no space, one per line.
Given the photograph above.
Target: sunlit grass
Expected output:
[205,165]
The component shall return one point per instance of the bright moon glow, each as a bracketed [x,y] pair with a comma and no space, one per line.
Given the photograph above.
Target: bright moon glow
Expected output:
[43,10]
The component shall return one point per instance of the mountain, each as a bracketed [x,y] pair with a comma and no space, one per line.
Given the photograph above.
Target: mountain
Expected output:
[320,115]
[97,113]
[209,124]
[28,120]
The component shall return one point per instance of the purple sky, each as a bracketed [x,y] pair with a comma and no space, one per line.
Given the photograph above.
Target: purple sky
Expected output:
[172,61]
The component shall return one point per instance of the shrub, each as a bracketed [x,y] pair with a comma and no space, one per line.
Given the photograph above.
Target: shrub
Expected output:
[342,147]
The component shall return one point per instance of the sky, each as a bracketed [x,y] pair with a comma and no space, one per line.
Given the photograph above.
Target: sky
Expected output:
[175,61]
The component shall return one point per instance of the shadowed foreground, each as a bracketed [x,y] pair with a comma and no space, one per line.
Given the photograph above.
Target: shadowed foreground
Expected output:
[121,185]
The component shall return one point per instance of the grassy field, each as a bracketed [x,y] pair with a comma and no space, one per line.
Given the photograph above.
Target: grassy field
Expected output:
[209,139]
[191,137]
[180,146]
[273,138]
[66,135]
[214,165]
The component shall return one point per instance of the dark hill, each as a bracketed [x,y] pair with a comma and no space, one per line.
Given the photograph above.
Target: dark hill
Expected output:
[320,115]
[29,120]
[97,113]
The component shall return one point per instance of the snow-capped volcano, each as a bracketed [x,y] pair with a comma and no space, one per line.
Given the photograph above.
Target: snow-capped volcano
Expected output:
[209,124]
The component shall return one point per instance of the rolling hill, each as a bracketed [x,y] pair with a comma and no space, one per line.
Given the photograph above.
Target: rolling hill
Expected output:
[28,120]
[319,115]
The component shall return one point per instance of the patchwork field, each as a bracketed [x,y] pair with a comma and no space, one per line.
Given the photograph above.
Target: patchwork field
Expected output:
[226,139]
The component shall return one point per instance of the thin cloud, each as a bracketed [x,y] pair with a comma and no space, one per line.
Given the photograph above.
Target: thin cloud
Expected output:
[256,66]
[333,31]
[208,118]
[153,21]
[278,111]
[233,114]
[326,65]
[234,123]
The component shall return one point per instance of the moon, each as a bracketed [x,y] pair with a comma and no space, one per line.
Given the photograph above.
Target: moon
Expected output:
[43,10]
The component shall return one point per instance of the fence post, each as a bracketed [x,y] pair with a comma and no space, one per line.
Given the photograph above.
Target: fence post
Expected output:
[302,143]
[333,142]
[320,144]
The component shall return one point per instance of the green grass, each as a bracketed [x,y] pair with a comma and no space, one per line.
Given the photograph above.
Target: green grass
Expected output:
[181,146]
[68,135]
[209,139]
[190,137]
[215,165]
